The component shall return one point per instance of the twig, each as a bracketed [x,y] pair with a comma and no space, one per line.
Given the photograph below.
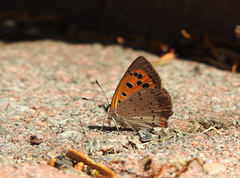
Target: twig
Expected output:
[212,128]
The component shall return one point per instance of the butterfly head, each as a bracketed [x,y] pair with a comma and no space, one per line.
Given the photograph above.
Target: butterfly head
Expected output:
[106,107]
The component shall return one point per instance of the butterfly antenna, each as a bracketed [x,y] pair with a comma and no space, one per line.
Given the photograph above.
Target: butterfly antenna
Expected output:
[102,91]
[91,99]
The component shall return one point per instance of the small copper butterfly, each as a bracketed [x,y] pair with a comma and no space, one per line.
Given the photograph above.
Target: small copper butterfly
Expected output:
[140,101]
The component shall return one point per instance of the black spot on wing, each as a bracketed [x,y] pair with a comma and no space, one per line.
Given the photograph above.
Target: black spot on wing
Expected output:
[140,76]
[129,85]
[124,93]
[139,82]
[146,85]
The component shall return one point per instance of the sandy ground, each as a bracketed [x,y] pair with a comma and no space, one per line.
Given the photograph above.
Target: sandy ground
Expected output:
[41,86]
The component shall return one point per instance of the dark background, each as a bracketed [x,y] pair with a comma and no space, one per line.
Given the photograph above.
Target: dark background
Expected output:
[155,19]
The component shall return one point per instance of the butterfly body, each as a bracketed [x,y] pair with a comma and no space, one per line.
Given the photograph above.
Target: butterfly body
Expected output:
[140,101]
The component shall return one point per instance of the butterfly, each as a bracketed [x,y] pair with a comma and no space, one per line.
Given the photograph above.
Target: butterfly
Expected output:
[140,101]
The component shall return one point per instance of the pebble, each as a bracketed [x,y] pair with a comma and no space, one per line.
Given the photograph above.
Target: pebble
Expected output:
[214,168]
[145,136]
[21,108]
[69,134]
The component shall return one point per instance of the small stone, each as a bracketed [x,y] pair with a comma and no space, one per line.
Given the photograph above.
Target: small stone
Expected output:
[69,134]
[217,108]
[105,148]
[21,108]
[93,146]
[32,127]
[135,143]
[214,168]
[63,163]
[194,143]
[34,140]
[124,142]
[98,153]
[145,136]
[76,98]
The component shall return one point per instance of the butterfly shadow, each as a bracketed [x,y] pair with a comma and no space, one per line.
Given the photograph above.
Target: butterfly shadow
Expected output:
[108,128]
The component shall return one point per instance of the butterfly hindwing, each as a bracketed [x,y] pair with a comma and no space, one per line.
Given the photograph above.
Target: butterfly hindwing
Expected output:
[146,108]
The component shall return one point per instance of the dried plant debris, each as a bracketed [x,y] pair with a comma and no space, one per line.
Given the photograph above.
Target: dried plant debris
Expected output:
[178,168]
[237,32]
[220,53]
[165,59]
[79,157]
[67,165]
[150,167]
[156,46]
[75,162]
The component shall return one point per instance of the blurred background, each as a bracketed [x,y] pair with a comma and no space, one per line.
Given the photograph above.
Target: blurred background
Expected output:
[155,26]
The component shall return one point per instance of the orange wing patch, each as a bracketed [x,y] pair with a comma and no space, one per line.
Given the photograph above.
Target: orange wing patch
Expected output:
[131,82]
[163,122]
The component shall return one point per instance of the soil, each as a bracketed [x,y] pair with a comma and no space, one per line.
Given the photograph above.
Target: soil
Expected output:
[42,83]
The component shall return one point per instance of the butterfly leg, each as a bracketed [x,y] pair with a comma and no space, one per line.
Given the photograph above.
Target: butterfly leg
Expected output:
[123,123]
[115,124]
[103,124]
[110,124]
[129,125]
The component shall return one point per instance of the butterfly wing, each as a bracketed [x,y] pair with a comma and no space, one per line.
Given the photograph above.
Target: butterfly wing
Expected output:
[140,74]
[146,108]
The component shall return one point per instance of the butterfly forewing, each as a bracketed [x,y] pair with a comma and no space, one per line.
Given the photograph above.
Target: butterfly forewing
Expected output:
[140,74]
